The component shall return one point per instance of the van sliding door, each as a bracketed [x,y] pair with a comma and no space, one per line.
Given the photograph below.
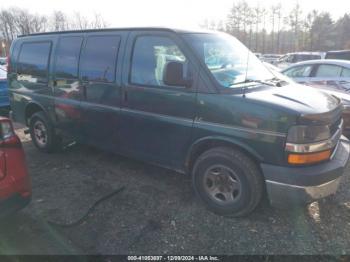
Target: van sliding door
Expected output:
[101,103]
[68,91]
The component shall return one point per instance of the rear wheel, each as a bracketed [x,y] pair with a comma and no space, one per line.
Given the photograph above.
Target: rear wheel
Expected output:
[43,134]
[227,181]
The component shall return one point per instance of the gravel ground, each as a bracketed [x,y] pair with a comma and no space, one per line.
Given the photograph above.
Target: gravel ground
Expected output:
[157,213]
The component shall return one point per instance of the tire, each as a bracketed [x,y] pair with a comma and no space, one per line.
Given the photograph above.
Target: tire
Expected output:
[228,182]
[46,141]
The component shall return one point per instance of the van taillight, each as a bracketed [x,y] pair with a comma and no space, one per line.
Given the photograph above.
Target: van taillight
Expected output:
[8,137]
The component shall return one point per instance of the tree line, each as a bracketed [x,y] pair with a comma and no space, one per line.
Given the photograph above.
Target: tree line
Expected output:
[276,30]
[263,29]
[16,21]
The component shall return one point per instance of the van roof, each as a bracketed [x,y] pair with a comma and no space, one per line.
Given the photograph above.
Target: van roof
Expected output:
[169,29]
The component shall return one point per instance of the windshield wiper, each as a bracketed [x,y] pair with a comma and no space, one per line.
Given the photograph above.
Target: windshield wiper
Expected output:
[279,82]
[265,82]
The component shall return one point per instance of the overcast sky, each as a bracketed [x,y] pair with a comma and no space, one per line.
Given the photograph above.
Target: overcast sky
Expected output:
[179,13]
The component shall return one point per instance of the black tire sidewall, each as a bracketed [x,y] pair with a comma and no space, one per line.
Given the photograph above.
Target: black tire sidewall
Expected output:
[241,172]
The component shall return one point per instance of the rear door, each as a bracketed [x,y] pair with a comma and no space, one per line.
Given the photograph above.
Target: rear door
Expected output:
[332,76]
[157,119]
[100,76]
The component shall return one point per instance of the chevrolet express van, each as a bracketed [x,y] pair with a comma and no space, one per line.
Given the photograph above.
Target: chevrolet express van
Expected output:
[197,102]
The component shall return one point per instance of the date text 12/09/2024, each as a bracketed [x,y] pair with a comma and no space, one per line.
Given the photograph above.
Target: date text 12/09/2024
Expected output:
[173,258]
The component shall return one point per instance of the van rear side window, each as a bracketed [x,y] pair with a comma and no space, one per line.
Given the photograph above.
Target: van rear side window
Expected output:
[33,61]
[99,58]
[67,57]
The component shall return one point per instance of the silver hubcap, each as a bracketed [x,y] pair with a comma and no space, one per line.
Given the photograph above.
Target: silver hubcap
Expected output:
[40,133]
[222,184]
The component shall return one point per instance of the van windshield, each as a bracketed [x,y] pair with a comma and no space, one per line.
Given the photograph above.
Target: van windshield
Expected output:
[230,62]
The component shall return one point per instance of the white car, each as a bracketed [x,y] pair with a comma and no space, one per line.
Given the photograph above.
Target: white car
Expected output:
[327,73]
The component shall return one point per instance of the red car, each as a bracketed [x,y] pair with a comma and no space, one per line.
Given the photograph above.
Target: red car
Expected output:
[15,185]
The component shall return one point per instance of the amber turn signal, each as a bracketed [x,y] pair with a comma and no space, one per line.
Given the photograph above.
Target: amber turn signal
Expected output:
[299,159]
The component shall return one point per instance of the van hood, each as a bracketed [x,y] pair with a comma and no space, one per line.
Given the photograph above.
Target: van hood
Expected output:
[298,98]
[307,103]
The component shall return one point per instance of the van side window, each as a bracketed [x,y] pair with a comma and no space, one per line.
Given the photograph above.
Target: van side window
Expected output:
[67,57]
[150,55]
[99,58]
[33,62]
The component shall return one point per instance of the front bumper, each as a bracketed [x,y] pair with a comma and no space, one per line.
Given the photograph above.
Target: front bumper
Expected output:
[301,185]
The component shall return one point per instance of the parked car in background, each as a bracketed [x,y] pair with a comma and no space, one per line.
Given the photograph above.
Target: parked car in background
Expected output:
[3,61]
[258,55]
[193,101]
[293,58]
[341,55]
[15,185]
[4,96]
[270,58]
[332,76]
[330,73]
[276,72]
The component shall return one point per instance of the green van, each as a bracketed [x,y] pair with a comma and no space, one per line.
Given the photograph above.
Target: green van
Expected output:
[197,102]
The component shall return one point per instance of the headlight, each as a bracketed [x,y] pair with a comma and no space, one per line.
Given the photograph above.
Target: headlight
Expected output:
[308,134]
[310,144]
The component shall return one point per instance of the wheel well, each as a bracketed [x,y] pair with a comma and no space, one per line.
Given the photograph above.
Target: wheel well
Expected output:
[30,110]
[206,145]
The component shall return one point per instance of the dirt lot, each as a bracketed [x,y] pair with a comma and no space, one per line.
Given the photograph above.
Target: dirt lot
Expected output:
[157,213]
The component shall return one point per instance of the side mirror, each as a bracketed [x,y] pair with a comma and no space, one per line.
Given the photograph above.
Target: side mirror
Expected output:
[174,74]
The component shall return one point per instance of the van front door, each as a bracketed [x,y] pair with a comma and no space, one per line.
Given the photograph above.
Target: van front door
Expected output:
[156,119]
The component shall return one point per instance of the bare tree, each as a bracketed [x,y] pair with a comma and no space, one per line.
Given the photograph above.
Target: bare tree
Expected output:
[220,26]
[234,20]
[279,16]
[294,22]
[80,22]
[59,21]
[264,13]
[7,25]
[99,22]
[273,15]
[257,20]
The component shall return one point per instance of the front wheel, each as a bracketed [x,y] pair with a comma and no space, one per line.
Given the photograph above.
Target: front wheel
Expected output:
[227,181]
[43,134]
